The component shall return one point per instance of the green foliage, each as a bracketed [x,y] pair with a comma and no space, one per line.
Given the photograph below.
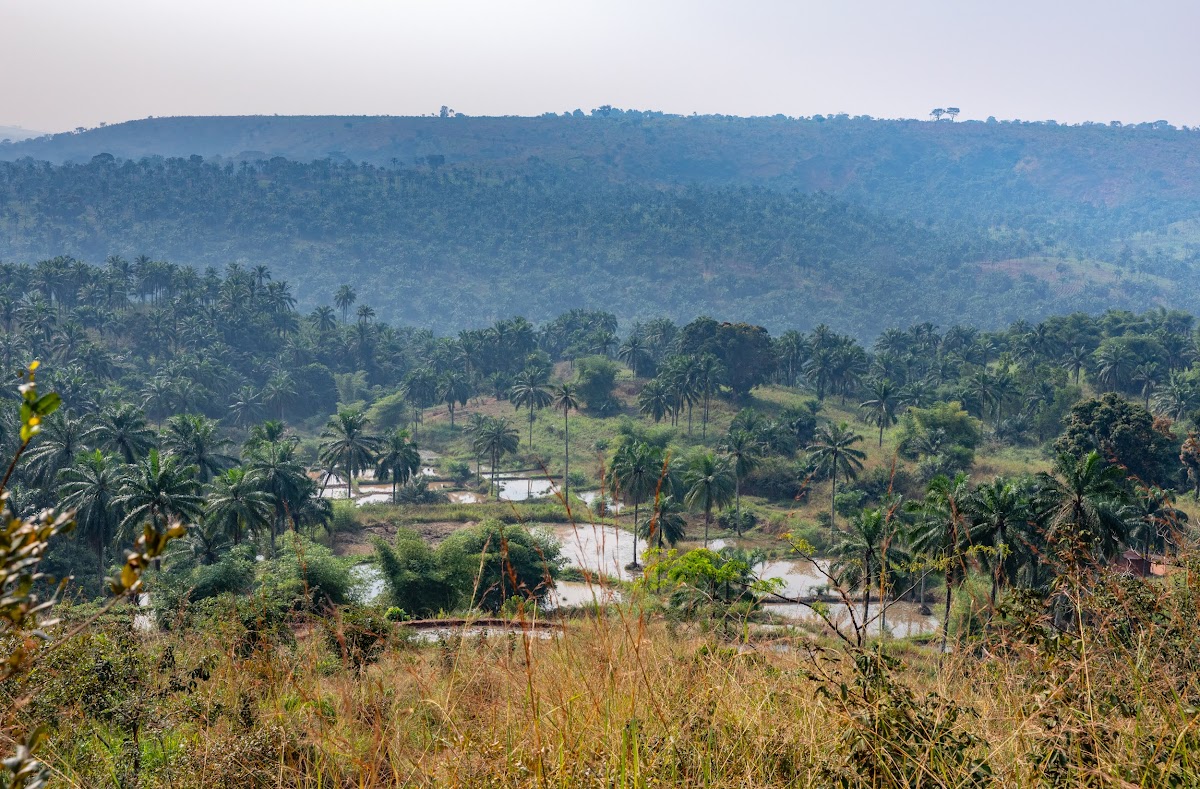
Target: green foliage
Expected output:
[305,575]
[502,561]
[595,379]
[1123,433]
[418,581]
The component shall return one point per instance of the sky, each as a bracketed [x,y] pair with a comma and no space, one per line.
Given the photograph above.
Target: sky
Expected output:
[77,63]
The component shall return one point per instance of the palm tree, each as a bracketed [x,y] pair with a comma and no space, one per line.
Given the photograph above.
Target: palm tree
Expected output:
[497,439]
[237,504]
[1178,397]
[122,430]
[1146,375]
[1153,518]
[655,400]
[1079,507]
[323,319]
[454,390]
[633,352]
[1075,360]
[997,510]
[710,484]
[346,443]
[398,459]
[1114,365]
[344,298]
[709,374]
[274,470]
[62,437]
[530,390]
[744,448]
[565,397]
[246,408]
[635,473]
[279,391]
[665,523]
[942,533]
[476,426]
[90,488]
[194,440]
[866,552]
[881,408]
[832,451]
[156,490]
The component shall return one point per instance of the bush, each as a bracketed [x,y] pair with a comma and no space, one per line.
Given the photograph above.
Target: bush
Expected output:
[360,635]
[306,576]
[514,562]
[775,478]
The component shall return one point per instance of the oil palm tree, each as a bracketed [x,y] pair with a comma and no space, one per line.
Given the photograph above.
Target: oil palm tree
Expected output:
[91,487]
[1079,507]
[156,490]
[655,400]
[881,408]
[274,470]
[745,450]
[867,551]
[398,460]
[832,452]
[454,390]
[497,439]
[664,523]
[998,512]
[63,437]
[635,473]
[344,299]
[237,505]
[709,482]
[565,398]
[345,442]
[122,430]
[633,352]
[942,534]
[530,391]
[195,441]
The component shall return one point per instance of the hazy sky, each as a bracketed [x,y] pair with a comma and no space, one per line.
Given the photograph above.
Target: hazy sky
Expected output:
[68,63]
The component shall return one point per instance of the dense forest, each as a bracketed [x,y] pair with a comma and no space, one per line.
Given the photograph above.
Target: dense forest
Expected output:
[857,223]
[307,492]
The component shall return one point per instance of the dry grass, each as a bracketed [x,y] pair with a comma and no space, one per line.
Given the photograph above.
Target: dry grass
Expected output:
[628,699]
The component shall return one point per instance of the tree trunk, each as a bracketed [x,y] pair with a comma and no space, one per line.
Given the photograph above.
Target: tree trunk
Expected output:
[881,432]
[707,517]
[635,531]
[832,501]
[566,459]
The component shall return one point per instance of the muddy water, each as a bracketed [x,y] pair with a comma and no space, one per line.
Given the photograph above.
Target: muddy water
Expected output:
[572,594]
[903,619]
[590,497]
[525,488]
[598,548]
[369,586]
[466,497]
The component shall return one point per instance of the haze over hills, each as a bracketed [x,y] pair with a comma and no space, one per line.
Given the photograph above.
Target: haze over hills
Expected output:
[454,221]
[16,133]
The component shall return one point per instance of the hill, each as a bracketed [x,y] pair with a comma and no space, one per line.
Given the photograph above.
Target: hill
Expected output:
[451,222]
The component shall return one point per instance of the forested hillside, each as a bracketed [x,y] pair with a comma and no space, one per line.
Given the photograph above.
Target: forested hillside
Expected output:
[455,222]
[457,248]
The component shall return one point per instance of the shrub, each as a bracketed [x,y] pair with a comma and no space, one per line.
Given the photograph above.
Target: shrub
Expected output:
[360,635]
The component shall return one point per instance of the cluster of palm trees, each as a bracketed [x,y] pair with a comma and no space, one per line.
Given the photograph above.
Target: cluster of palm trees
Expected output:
[1018,532]
[119,475]
[683,382]
[347,445]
